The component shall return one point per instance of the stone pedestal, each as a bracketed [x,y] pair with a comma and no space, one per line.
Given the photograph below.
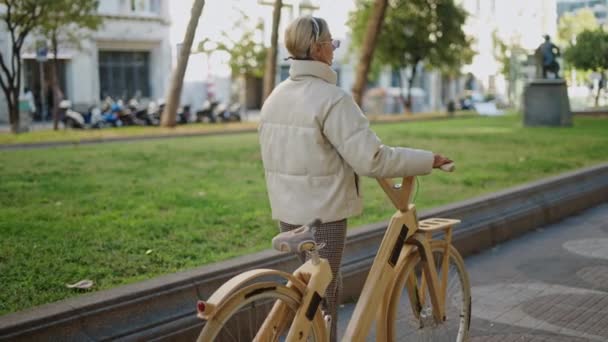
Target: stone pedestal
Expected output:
[546,103]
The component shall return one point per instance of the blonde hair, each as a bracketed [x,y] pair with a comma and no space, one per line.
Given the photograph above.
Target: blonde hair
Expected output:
[302,33]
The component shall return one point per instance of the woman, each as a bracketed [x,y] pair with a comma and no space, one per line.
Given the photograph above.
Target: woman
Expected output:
[315,141]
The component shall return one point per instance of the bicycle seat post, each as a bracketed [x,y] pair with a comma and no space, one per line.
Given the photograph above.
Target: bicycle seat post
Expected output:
[314,256]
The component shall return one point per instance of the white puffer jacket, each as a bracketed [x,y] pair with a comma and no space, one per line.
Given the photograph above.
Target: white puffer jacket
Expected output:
[314,140]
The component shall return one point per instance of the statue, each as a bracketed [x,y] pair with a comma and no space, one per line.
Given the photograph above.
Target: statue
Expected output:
[546,101]
[546,58]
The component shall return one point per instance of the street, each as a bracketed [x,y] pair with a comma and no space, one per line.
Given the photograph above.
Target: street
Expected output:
[549,285]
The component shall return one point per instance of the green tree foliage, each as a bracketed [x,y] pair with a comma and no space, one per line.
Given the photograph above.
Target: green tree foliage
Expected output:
[19,18]
[55,19]
[504,52]
[414,32]
[67,22]
[572,24]
[510,58]
[590,52]
[247,53]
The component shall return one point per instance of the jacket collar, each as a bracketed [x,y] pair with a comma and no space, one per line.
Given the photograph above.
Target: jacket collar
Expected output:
[321,70]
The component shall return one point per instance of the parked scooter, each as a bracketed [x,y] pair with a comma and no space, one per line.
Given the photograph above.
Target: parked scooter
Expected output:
[183,115]
[95,118]
[141,114]
[230,113]
[207,113]
[70,118]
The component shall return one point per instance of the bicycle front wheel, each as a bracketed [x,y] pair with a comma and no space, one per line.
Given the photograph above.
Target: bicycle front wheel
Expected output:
[244,314]
[403,321]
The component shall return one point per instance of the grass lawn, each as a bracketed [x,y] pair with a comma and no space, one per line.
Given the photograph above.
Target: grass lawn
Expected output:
[123,212]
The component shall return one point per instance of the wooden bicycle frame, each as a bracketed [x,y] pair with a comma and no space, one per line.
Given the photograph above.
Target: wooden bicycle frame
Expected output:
[316,274]
[400,239]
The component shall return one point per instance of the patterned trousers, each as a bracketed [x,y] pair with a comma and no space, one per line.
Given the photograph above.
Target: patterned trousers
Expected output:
[333,235]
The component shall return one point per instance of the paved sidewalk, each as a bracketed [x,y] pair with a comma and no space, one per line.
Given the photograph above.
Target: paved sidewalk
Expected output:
[548,285]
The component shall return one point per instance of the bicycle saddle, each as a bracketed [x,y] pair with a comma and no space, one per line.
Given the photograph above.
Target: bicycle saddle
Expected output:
[298,240]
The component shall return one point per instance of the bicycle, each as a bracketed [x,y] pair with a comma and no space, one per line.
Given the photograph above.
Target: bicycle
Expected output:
[408,262]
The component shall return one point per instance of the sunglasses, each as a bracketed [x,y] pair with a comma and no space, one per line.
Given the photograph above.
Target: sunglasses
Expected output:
[335,43]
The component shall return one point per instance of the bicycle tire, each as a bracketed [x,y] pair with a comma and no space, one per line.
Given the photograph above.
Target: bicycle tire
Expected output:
[220,326]
[400,323]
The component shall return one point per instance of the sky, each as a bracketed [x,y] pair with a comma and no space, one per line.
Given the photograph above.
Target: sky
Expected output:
[219,15]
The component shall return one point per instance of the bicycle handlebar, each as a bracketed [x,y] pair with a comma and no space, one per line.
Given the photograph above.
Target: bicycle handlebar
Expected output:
[399,194]
[449,167]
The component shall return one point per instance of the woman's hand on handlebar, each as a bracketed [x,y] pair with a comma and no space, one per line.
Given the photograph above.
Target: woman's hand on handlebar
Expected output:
[440,160]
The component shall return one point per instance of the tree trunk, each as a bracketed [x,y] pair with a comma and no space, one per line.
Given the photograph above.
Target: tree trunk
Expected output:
[177,80]
[271,57]
[11,92]
[13,109]
[55,83]
[600,86]
[409,87]
[401,97]
[369,44]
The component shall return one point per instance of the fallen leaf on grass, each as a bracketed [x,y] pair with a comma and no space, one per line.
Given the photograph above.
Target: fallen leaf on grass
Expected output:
[83,284]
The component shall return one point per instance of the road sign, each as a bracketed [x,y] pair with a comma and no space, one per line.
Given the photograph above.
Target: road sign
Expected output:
[41,51]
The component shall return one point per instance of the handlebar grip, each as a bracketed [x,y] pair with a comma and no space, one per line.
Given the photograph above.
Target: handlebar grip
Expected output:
[449,167]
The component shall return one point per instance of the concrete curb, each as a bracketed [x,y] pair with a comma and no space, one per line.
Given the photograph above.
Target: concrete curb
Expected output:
[27,146]
[163,308]
[592,112]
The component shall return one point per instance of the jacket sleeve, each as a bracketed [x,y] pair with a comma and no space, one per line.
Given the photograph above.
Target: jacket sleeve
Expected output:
[348,130]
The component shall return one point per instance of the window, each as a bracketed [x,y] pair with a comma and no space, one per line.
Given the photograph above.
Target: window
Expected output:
[395,78]
[139,5]
[31,79]
[123,74]
[145,6]
[128,7]
[155,6]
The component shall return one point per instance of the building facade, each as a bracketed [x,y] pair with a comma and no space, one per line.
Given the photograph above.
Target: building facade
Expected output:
[129,55]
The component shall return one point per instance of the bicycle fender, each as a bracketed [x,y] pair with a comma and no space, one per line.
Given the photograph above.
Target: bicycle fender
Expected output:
[224,292]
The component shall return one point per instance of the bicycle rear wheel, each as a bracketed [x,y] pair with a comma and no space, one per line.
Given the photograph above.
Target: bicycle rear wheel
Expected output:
[244,313]
[405,323]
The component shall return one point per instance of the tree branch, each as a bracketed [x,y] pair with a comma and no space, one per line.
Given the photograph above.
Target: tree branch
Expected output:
[7,19]
[4,86]
[5,69]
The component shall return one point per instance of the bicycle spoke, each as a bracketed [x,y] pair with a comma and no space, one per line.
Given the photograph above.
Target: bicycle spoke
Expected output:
[404,324]
[250,323]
